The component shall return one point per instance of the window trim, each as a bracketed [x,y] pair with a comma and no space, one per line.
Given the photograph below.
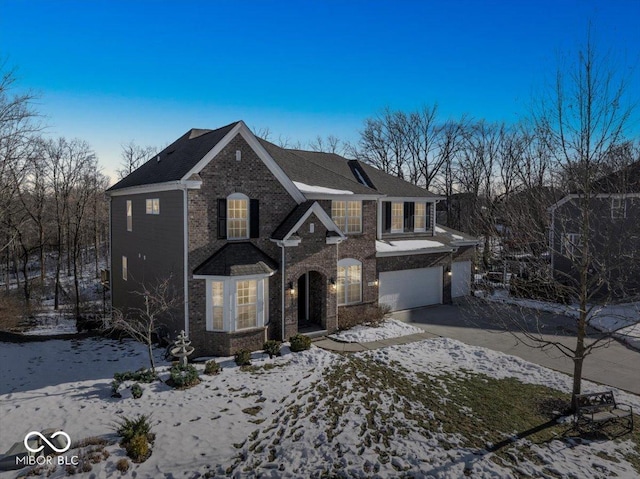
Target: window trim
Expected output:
[347,216]
[125,268]
[622,205]
[570,243]
[152,206]
[346,263]
[229,311]
[391,228]
[236,197]
[129,207]
[424,217]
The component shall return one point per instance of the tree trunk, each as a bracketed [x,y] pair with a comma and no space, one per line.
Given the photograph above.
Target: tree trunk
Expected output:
[577,365]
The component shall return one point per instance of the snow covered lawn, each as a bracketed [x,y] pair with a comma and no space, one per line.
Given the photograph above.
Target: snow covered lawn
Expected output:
[389,328]
[428,409]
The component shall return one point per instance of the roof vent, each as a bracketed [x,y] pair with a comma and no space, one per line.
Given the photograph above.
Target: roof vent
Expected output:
[158,158]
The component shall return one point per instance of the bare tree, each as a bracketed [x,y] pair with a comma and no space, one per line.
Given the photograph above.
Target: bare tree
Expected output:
[143,324]
[133,156]
[17,126]
[580,123]
[330,144]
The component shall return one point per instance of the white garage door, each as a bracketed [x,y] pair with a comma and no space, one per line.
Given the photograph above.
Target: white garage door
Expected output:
[460,278]
[411,288]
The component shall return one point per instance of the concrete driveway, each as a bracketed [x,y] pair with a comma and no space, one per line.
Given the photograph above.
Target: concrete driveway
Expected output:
[474,322]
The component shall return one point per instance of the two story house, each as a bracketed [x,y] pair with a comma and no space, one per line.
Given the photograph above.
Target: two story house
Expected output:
[261,242]
[607,221]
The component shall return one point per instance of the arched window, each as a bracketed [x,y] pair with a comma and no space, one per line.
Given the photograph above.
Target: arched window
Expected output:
[349,288]
[237,216]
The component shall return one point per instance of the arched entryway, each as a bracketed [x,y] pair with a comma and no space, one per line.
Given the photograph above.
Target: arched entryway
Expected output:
[312,301]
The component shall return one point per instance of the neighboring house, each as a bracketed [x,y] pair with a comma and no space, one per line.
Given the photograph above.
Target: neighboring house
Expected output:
[613,235]
[262,242]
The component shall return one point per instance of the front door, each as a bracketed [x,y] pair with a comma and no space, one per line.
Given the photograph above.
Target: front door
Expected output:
[311,300]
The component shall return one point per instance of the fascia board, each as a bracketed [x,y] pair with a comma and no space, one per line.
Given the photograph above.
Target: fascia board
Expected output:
[142,189]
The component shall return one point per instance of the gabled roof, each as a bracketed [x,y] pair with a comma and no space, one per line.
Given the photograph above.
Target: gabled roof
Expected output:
[300,213]
[315,172]
[175,161]
[301,170]
[237,259]
[625,180]
[361,173]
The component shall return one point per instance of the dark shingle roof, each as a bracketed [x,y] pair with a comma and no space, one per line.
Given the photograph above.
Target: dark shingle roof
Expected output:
[625,180]
[301,169]
[380,182]
[176,159]
[312,168]
[291,220]
[237,259]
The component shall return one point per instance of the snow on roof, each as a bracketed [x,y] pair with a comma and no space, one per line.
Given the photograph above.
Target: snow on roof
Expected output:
[454,236]
[406,245]
[304,188]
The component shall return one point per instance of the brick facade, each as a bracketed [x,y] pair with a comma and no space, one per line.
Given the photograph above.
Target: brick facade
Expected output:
[223,176]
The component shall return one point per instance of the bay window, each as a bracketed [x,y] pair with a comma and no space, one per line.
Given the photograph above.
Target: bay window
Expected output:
[237,303]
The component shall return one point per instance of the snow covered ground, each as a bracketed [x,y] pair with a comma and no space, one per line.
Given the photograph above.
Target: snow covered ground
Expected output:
[621,319]
[390,328]
[299,415]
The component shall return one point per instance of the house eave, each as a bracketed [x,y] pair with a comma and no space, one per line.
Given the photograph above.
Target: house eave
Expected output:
[154,188]
[444,249]
[426,199]
[341,196]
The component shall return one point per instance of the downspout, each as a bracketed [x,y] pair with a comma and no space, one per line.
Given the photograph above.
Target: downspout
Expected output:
[185,260]
[282,293]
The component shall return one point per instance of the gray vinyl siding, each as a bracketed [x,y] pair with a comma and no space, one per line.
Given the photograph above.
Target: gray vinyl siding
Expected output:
[154,250]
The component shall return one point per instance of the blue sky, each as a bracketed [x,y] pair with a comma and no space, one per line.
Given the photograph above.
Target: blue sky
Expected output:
[111,72]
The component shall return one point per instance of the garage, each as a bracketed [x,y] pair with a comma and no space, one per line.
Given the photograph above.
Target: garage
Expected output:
[411,288]
[460,278]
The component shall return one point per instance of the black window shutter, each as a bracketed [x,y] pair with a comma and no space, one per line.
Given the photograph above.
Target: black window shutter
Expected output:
[222,218]
[254,219]
[386,218]
[409,209]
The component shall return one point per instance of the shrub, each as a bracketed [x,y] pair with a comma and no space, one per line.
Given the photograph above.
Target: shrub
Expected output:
[115,385]
[136,435]
[122,465]
[243,357]
[272,348]
[299,343]
[369,314]
[183,377]
[136,391]
[127,428]
[212,368]
[138,448]
[141,375]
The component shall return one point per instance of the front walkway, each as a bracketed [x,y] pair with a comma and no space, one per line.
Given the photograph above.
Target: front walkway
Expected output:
[343,347]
